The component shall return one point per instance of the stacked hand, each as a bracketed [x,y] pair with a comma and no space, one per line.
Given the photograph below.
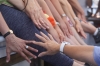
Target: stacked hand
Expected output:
[65,26]
[49,43]
[79,29]
[34,12]
[15,44]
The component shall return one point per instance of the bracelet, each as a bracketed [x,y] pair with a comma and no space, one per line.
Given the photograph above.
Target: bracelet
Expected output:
[63,15]
[62,46]
[8,33]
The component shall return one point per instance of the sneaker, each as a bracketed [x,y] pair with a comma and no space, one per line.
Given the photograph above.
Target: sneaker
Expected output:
[97,37]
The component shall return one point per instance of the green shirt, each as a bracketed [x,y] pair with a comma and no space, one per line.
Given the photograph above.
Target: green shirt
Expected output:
[5,2]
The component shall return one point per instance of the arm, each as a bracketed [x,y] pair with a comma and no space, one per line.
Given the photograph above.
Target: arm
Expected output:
[17,3]
[33,10]
[13,43]
[81,53]
[67,8]
[63,22]
[78,9]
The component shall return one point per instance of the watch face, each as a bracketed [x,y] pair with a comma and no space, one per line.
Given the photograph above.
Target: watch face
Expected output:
[11,31]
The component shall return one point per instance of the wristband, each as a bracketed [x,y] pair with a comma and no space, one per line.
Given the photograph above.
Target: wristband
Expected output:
[62,46]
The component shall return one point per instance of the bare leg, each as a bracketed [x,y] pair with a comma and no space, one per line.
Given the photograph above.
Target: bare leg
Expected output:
[88,27]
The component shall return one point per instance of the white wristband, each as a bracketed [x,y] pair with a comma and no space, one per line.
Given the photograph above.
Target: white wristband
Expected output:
[62,46]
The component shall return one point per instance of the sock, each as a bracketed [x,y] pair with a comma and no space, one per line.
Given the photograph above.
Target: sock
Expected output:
[95,33]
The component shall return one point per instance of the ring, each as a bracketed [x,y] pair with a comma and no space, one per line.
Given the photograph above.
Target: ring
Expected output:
[27,47]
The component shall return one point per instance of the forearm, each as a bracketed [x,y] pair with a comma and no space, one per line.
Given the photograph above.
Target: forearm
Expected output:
[17,3]
[76,6]
[45,8]
[66,9]
[54,11]
[3,26]
[81,53]
[58,7]
[71,12]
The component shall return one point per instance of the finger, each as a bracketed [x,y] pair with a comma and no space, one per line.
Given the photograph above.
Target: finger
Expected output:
[34,20]
[43,24]
[43,54]
[29,53]
[50,36]
[28,42]
[40,37]
[67,33]
[77,28]
[39,25]
[32,49]
[83,34]
[64,32]
[8,55]
[24,56]
[39,43]
[46,37]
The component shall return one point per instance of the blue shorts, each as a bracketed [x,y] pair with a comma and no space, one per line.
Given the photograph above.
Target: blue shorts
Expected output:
[97,55]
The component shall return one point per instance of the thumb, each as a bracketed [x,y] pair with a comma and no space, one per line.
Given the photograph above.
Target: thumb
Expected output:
[43,54]
[8,55]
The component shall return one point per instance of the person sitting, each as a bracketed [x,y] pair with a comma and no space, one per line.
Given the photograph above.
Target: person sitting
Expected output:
[19,28]
[89,54]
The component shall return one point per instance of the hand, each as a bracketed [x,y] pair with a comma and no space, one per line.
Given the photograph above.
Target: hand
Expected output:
[61,37]
[69,32]
[34,13]
[49,43]
[60,33]
[79,29]
[15,44]
[65,27]
[82,17]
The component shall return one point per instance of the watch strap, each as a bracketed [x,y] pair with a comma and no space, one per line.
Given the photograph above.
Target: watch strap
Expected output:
[62,45]
[8,33]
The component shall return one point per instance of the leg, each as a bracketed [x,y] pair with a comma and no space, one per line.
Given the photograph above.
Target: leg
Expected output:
[25,29]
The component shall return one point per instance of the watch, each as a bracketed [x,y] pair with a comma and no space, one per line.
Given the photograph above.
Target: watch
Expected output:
[8,33]
[62,45]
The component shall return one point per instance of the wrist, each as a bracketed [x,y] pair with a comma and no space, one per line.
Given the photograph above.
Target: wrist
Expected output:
[63,45]
[9,37]
[7,33]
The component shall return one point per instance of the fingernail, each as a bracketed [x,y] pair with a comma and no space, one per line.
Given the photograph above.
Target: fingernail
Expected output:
[36,34]
[7,61]
[29,61]
[36,50]
[35,57]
